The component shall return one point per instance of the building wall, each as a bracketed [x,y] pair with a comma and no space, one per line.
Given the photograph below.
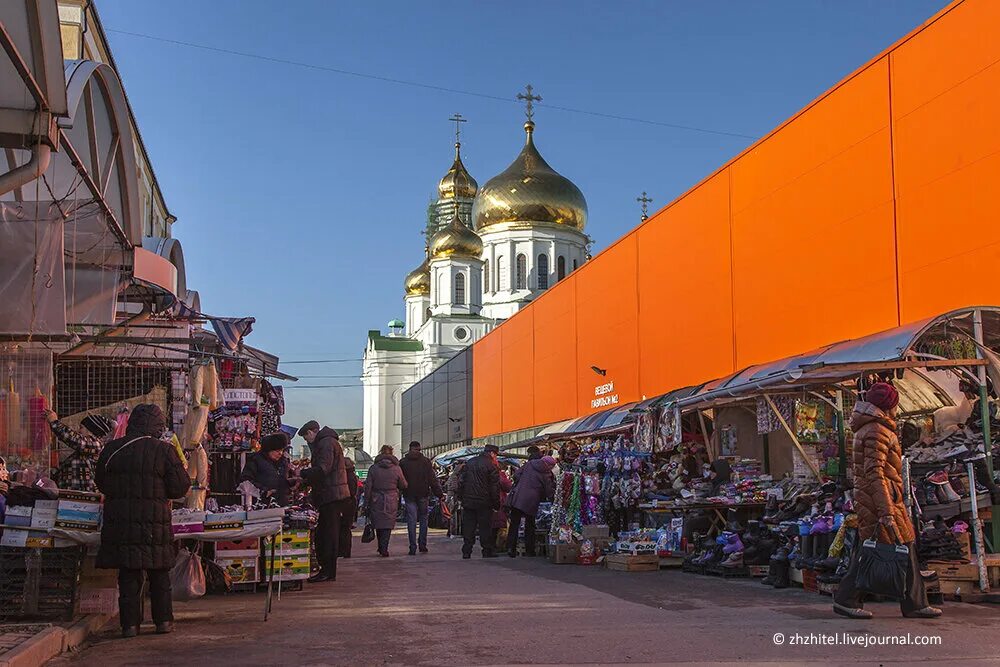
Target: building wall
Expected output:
[870,208]
[437,411]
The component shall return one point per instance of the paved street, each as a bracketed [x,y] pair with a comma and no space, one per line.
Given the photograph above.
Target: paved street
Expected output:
[437,609]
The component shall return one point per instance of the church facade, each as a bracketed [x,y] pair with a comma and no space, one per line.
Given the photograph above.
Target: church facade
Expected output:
[490,251]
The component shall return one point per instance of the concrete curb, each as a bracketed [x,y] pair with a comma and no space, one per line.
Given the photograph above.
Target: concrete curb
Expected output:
[51,642]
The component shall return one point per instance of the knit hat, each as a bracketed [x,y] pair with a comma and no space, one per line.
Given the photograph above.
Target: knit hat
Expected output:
[99,425]
[273,442]
[549,461]
[883,396]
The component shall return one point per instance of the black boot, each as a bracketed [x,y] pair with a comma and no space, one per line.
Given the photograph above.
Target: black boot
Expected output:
[782,575]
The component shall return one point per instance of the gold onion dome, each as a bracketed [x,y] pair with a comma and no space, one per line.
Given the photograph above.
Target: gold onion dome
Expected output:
[457,182]
[529,191]
[456,240]
[418,281]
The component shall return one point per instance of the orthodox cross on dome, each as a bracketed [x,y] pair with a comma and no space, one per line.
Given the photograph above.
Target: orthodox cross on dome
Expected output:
[529,100]
[458,120]
[644,201]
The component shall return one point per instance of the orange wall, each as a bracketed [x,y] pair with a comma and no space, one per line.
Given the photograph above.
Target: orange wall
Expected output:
[873,207]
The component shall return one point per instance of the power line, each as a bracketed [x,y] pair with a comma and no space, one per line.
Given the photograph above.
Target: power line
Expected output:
[426,86]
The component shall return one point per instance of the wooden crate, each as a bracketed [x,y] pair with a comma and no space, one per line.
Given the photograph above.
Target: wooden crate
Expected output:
[953,570]
[758,570]
[671,561]
[563,554]
[953,587]
[629,563]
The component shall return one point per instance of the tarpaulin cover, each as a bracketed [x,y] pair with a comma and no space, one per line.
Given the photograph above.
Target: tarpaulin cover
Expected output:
[32,289]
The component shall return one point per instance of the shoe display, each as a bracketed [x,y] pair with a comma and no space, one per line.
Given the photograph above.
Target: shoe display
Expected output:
[734,560]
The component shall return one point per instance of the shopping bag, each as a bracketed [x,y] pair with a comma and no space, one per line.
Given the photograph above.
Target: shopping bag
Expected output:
[883,568]
[368,535]
[187,578]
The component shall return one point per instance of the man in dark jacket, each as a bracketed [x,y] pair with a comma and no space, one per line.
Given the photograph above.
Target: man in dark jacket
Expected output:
[420,483]
[344,545]
[268,468]
[139,475]
[479,490]
[331,495]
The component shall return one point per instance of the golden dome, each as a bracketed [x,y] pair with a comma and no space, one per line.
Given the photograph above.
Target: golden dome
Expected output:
[418,281]
[530,191]
[456,240]
[457,182]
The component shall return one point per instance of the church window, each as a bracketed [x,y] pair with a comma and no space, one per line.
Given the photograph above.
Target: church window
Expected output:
[502,282]
[522,272]
[486,276]
[543,271]
[460,289]
[561,268]
[574,265]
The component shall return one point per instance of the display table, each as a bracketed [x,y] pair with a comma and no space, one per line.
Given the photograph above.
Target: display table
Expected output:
[249,530]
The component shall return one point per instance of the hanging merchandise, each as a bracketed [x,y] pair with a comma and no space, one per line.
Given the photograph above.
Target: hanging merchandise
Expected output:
[234,425]
[666,428]
[645,430]
[767,421]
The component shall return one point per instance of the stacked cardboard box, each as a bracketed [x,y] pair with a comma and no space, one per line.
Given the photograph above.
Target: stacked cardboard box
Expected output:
[78,510]
[186,522]
[240,559]
[28,526]
[291,556]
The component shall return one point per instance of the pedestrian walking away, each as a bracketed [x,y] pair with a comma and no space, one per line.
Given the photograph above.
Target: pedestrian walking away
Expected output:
[382,488]
[479,491]
[878,501]
[330,494]
[535,484]
[139,475]
[421,483]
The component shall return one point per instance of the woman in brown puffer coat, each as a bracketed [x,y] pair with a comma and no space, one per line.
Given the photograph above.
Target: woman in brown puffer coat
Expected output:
[878,501]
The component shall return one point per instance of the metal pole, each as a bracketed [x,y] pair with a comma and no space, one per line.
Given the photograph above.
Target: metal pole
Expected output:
[841,434]
[977,530]
[984,411]
[767,455]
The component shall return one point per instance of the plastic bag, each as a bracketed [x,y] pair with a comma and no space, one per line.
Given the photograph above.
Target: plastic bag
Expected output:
[217,580]
[187,578]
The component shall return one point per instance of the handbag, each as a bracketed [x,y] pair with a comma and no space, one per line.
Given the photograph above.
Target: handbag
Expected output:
[883,568]
[368,534]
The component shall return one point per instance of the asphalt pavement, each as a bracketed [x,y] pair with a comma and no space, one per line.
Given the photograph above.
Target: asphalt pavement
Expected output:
[437,609]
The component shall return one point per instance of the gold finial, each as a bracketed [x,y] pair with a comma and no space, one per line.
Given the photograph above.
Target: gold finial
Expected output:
[529,99]
[644,201]
[458,120]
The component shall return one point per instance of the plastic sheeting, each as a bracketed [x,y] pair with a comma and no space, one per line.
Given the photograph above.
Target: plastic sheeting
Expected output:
[32,287]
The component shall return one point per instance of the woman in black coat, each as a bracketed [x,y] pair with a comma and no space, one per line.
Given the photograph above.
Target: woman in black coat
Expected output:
[139,475]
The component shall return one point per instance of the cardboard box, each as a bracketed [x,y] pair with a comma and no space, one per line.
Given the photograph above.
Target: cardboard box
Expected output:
[952,570]
[232,525]
[595,531]
[85,526]
[79,516]
[225,517]
[19,510]
[17,520]
[245,548]
[99,601]
[187,528]
[293,541]
[632,563]
[269,514]
[563,554]
[79,496]
[46,505]
[288,568]
[33,539]
[241,570]
[43,519]
[76,506]
[187,517]
[14,538]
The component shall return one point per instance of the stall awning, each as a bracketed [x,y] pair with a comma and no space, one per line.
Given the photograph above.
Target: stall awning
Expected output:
[845,359]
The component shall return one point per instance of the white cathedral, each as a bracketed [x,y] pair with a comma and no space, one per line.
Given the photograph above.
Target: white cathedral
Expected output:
[490,252]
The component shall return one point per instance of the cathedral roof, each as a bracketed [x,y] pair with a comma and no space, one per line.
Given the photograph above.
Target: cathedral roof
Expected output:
[529,191]
[418,281]
[456,240]
[457,183]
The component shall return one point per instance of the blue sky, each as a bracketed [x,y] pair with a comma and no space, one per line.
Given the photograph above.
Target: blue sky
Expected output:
[300,193]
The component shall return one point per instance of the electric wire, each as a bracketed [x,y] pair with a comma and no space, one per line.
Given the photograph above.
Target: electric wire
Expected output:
[426,86]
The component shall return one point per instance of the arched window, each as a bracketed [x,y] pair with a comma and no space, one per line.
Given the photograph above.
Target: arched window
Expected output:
[560,268]
[442,289]
[574,265]
[521,276]
[543,271]
[486,276]
[460,289]
[501,274]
